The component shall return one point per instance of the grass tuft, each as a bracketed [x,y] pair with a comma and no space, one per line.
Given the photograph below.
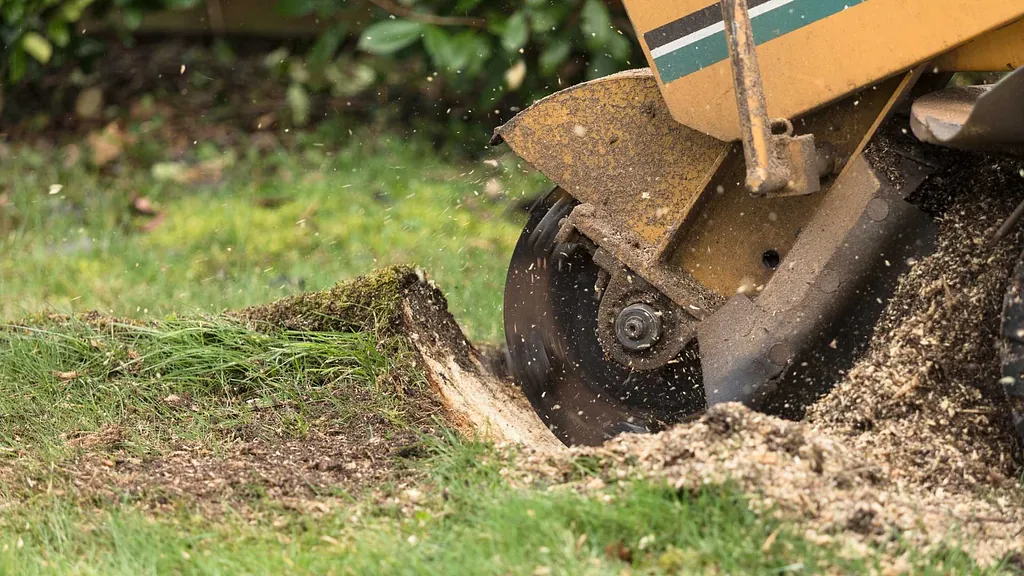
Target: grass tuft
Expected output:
[196,378]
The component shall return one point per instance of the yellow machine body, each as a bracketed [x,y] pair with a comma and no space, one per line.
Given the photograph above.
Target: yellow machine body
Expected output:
[814,52]
[728,224]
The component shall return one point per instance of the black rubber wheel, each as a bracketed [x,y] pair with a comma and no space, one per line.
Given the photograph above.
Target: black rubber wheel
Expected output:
[1012,348]
[551,314]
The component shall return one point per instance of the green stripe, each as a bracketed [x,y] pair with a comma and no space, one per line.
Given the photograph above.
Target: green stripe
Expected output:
[769,26]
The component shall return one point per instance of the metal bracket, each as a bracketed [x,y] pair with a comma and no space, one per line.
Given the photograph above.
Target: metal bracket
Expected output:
[778,163]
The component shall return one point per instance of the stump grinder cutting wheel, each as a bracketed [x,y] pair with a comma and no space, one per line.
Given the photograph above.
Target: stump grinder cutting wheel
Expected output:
[725,227]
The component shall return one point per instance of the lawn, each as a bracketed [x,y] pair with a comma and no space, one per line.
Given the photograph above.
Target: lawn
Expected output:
[78,500]
[249,226]
[162,436]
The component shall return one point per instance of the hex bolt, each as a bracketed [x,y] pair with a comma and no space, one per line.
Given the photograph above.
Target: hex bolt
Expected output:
[878,209]
[780,354]
[638,327]
[828,282]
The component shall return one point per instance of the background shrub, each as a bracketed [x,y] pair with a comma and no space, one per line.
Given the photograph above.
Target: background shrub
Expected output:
[466,58]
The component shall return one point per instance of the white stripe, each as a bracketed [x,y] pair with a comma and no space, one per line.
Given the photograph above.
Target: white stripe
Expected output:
[713,29]
[688,39]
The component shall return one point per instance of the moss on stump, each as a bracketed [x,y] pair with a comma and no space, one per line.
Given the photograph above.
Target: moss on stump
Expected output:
[370,303]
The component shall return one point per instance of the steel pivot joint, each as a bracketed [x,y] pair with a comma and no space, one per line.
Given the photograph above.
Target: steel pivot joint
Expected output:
[778,163]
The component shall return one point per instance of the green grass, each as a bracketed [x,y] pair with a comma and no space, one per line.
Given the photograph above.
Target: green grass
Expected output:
[466,520]
[334,206]
[465,517]
[511,534]
[274,225]
[58,379]
[209,379]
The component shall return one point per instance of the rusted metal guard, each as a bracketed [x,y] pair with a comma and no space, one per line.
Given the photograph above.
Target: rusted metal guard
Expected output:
[778,163]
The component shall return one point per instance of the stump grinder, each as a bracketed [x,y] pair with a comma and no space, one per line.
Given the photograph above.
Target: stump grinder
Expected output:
[728,224]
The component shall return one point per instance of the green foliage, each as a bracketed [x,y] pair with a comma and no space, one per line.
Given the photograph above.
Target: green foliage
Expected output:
[37,33]
[31,29]
[387,37]
[473,56]
[477,43]
[469,53]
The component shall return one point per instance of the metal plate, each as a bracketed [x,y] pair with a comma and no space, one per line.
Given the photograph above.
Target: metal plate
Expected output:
[989,118]
[858,43]
[724,240]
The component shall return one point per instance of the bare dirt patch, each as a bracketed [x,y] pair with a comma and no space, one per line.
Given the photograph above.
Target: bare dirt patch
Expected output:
[322,465]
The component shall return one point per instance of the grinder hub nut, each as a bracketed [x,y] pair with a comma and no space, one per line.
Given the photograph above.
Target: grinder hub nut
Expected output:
[638,327]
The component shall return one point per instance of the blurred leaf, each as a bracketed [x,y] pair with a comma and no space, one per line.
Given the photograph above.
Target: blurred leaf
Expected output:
[132,18]
[619,47]
[324,49]
[554,56]
[479,49]
[463,52]
[543,20]
[17,64]
[349,79]
[295,8]
[37,47]
[390,36]
[57,32]
[446,51]
[277,59]
[601,65]
[298,101]
[440,48]
[72,9]
[517,32]
[596,24]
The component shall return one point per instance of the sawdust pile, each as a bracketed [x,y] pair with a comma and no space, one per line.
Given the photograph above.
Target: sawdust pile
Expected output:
[925,400]
[841,495]
[914,445]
